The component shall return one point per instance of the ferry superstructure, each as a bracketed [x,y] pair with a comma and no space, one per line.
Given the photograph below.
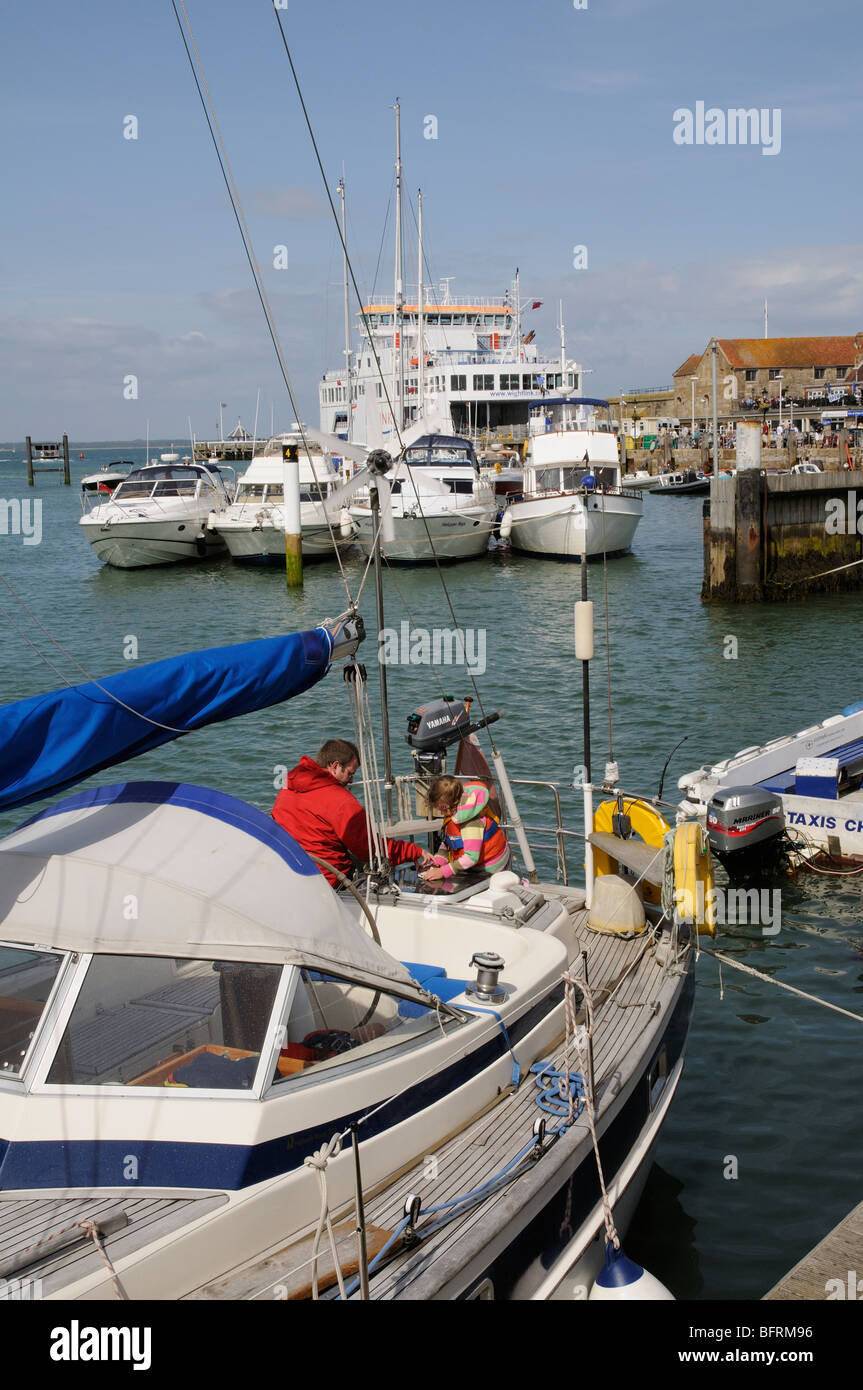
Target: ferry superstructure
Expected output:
[479,371]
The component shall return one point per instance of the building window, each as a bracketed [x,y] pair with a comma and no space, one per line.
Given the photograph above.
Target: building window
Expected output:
[842,371]
[751,374]
[820,373]
[775,373]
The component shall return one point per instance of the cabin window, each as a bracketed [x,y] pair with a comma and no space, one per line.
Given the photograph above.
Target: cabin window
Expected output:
[154,1021]
[249,491]
[26,981]
[333,1021]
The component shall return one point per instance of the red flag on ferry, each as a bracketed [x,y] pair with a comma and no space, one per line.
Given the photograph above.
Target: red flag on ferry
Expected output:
[224,405]
[537,304]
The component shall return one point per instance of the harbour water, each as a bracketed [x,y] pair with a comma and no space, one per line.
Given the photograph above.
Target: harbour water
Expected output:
[757,1159]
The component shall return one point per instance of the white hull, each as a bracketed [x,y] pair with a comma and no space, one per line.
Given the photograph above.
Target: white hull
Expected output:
[827,823]
[459,534]
[571,525]
[135,544]
[251,543]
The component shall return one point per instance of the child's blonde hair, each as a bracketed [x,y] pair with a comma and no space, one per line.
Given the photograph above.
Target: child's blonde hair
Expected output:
[447,791]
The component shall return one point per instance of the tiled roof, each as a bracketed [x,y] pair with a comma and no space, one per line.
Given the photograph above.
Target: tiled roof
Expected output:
[789,352]
[690,365]
[800,353]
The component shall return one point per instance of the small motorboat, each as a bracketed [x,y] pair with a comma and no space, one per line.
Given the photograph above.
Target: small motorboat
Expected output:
[109,477]
[690,481]
[157,515]
[816,776]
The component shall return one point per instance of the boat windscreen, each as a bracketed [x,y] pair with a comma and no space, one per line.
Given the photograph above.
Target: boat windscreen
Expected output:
[26,981]
[152,1021]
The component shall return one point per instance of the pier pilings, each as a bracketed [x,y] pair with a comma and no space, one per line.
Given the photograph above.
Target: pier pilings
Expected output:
[771,537]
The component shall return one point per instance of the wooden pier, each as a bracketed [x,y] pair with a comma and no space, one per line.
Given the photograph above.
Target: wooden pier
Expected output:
[48,460]
[830,1270]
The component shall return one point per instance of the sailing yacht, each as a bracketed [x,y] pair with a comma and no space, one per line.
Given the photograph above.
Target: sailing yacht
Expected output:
[573,502]
[443,506]
[253,526]
[174,1079]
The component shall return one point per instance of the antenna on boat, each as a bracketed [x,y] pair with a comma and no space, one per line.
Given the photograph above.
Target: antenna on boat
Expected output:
[667,761]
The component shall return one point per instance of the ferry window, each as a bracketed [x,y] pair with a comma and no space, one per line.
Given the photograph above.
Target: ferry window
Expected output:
[380,390]
[432,318]
[483,383]
[489,319]
[445,320]
[26,980]
[458,383]
[526,382]
[458,319]
[386,319]
[333,1021]
[510,382]
[152,1021]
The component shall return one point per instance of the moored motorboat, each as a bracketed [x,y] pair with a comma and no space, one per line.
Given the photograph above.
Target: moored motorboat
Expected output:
[158,515]
[110,475]
[573,502]
[690,482]
[442,505]
[815,775]
[253,526]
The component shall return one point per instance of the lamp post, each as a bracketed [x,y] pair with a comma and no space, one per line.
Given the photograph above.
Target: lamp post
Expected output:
[780,380]
[693,379]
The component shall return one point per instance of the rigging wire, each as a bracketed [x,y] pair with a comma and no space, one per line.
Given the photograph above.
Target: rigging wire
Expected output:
[245,235]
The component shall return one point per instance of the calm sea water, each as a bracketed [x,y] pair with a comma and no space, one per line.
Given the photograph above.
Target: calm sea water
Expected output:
[771,1081]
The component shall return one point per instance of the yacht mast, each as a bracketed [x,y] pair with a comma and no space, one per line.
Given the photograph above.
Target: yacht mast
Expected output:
[348,353]
[518,316]
[421,356]
[399,344]
[562,347]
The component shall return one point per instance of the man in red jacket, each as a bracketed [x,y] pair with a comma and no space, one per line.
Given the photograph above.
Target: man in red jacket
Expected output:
[324,817]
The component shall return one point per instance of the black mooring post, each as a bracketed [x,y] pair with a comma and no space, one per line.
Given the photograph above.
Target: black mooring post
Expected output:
[29,447]
[66,478]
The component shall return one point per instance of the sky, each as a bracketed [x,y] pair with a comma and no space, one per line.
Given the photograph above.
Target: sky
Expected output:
[556,127]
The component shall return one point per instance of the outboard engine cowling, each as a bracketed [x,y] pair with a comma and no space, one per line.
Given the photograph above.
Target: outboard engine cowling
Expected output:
[746,827]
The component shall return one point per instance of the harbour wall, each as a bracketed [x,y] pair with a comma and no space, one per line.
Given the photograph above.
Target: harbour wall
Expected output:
[778,537]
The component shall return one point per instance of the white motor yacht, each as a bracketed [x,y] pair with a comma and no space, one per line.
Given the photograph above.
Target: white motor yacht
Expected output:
[253,527]
[573,502]
[442,505]
[158,515]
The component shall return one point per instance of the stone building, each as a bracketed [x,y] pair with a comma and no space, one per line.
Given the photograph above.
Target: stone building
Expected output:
[812,374]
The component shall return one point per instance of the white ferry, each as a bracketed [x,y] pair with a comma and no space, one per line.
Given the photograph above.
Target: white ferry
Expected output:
[479,371]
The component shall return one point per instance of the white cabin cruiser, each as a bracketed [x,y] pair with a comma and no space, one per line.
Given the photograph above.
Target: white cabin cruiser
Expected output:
[158,515]
[253,527]
[814,779]
[442,505]
[107,478]
[188,1013]
[573,501]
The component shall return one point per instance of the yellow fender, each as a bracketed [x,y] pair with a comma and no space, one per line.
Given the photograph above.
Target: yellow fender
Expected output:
[647,823]
[694,894]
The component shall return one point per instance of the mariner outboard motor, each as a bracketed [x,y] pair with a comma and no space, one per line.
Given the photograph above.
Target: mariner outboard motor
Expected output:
[433,727]
[746,830]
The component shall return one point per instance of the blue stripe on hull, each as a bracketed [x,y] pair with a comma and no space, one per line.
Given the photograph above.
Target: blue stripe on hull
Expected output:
[101,1163]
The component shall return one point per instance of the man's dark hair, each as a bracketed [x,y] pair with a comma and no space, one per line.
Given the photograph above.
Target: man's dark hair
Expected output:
[337,750]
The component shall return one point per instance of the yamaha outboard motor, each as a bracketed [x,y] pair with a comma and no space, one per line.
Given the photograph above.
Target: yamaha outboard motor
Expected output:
[433,727]
[746,829]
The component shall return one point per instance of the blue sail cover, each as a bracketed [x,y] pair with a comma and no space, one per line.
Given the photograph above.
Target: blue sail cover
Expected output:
[50,742]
